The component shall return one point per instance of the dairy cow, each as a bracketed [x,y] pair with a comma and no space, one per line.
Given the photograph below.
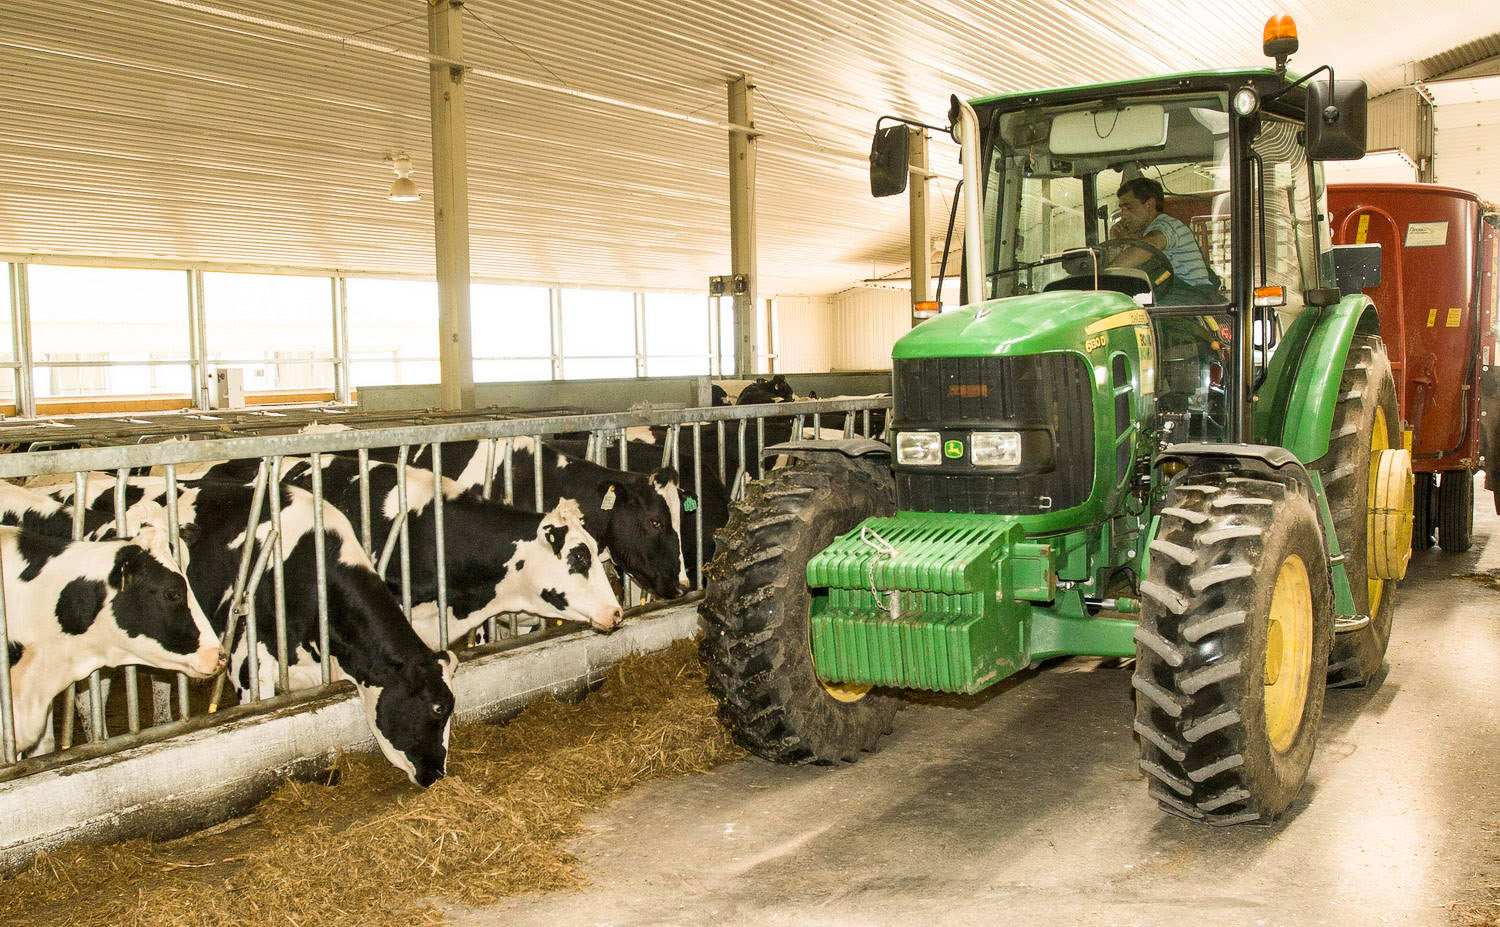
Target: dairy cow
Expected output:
[634,516]
[498,559]
[404,686]
[73,607]
[705,499]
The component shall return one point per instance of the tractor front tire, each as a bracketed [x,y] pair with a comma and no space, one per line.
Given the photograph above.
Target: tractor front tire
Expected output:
[1455,521]
[1365,421]
[757,643]
[1232,646]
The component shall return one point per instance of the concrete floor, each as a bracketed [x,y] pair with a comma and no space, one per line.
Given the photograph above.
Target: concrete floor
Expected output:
[1025,805]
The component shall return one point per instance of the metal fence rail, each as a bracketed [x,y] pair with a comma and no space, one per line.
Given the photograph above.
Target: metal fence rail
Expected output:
[726,427]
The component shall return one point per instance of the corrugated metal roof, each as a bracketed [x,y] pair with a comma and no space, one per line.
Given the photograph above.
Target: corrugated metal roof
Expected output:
[168,129]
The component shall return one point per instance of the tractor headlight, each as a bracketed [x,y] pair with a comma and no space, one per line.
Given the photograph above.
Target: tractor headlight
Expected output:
[921,448]
[995,448]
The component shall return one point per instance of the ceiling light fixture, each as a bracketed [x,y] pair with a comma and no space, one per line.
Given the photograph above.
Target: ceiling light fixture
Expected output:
[403,188]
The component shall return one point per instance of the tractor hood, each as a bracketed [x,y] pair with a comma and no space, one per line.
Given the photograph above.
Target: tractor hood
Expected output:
[1057,321]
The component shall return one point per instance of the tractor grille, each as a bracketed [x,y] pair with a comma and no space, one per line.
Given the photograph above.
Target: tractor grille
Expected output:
[959,395]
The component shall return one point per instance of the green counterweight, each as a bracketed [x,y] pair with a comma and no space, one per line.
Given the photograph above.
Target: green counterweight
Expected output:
[945,602]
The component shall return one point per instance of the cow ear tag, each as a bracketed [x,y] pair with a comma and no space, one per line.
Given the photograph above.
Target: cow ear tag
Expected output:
[690,504]
[609,499]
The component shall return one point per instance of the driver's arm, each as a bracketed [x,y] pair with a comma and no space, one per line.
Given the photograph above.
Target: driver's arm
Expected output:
[1135,257]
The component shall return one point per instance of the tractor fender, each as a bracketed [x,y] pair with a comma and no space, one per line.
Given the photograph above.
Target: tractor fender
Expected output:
[865,456]
[1262,457]
[850,448]
[1316,372]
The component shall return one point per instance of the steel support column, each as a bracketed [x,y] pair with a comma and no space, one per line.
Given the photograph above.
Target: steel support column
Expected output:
[343,390]
[198,340]
[921,235]
[20,333]
[450,203]
[742,220]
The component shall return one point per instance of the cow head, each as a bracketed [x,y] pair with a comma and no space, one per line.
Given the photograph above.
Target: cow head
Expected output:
[412,717]
[668,485]
[151,604]
[560,568]
[642,531]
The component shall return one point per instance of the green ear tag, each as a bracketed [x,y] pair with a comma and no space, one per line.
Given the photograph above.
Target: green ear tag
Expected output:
[690,504]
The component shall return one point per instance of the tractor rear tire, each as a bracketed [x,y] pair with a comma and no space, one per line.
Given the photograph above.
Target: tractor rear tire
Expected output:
[1367,395]
[1455,521]
[757,641]
[1424,515]
[1231,650]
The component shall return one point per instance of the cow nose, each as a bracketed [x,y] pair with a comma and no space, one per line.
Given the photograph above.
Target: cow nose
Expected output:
[683,588]
[610,620]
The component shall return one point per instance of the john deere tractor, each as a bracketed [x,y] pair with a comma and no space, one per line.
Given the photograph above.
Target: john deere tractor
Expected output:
[1101,453]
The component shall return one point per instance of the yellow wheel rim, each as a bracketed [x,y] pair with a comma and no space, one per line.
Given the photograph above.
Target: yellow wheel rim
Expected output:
[847,691]
[1289,635]
[1380,439]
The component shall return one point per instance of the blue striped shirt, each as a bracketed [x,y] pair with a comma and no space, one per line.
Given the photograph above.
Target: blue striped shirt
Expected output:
[1181,250]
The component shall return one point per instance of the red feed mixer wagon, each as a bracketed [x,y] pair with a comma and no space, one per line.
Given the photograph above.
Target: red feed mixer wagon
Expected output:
[1435,286]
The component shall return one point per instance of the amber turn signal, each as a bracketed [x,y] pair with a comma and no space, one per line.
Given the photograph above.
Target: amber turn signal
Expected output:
[926,308]
[1270,296]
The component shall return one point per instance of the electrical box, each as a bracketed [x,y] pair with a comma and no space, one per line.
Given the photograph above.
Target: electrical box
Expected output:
[229,388]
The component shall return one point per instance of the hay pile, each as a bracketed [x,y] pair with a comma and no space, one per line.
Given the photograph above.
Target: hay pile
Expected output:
[371,849]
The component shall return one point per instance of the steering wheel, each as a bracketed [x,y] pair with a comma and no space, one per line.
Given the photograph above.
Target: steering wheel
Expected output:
[1157,267]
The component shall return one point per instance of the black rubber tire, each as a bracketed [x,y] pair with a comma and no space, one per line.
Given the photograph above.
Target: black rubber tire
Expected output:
[1455,519]
[1424,514]
[756,643]
[1367,384]
[1201,646]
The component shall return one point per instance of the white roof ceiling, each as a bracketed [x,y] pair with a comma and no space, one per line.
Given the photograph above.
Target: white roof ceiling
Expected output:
[185,130]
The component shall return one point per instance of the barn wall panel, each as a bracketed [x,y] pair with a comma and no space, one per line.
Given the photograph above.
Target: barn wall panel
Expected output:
[866,322]
[804,337]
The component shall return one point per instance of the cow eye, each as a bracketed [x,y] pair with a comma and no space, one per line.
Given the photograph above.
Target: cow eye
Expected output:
[656,524]
[439,709]
[174,595]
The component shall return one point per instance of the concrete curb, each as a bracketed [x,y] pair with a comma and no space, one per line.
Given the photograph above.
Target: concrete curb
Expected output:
[175,786]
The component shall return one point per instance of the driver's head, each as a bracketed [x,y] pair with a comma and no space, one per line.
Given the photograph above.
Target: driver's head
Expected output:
[1140,201]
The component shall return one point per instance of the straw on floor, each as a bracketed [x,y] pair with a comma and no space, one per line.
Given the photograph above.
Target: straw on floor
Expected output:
[371,849]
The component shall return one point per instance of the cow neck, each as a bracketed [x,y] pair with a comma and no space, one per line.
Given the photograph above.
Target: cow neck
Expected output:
[367,632]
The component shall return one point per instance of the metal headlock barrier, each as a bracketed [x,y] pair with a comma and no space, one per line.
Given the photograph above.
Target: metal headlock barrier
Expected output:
[606,444]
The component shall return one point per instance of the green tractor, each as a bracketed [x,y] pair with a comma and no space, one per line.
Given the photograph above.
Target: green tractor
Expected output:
[1106,451]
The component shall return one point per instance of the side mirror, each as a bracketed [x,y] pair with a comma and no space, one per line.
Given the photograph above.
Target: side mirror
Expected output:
[889,161]
[1336,125]
[1356,267]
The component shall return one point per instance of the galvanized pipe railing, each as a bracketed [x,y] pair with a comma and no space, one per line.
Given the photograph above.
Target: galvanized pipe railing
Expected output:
[607,432]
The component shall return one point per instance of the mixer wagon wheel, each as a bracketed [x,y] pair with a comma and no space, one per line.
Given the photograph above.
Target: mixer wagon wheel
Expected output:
[1424,512]
[1366,421]
[1455,522]
[756,642]
[1236,618]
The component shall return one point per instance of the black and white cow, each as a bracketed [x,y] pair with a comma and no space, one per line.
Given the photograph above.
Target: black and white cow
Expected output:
[634,516]
[498,559]
[706,499]
[73,607]
[405,687]
[776,389]
[34,511]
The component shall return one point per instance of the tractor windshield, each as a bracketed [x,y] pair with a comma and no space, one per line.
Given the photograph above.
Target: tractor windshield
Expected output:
[1126,194]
